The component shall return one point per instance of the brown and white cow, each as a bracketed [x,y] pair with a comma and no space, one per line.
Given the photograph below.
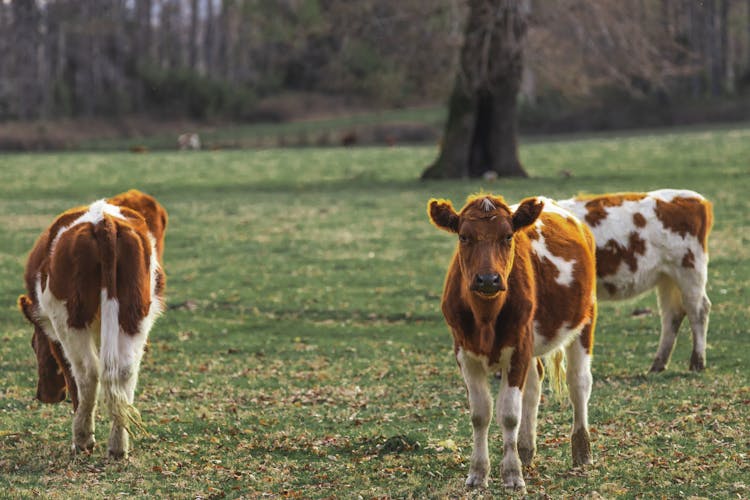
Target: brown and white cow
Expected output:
[656,239]
[521,285]
[94,278]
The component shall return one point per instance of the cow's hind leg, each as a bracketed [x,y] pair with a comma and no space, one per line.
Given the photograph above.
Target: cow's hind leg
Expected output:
[672,314]
[80,350]
[579,380]
[480,402]
[532,393]
[698,307]
[119,378]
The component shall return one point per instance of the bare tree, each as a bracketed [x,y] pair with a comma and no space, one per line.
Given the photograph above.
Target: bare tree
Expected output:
[480,134]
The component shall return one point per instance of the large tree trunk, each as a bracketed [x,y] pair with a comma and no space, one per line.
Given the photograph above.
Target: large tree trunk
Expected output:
[480,133]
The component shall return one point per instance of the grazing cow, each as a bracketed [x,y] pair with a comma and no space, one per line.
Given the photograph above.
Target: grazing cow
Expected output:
[521,285]
[189,142]
[657,239]
[95,278]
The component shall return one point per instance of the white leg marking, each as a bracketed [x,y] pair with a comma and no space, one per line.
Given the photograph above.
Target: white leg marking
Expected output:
[79,348]
[509,417]
[579,386]
[474,372]
[532,393]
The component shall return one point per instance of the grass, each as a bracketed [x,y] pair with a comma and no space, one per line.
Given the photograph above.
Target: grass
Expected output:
[304,353]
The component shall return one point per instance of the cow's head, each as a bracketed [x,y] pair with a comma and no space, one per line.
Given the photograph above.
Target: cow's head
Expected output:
[486,245]
[50,387]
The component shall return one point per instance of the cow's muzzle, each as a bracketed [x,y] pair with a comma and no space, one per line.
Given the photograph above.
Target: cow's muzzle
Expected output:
[488,284]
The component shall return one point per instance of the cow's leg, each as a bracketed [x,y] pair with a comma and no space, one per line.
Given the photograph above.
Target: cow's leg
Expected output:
[532,393]
[79,349]
[509,412]
[672,314]
[119,383]
[480,403]
[698,307]
[578,377]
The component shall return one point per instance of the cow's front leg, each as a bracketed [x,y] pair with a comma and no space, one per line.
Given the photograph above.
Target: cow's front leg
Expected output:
[509,417]
[480,402]
[532,393]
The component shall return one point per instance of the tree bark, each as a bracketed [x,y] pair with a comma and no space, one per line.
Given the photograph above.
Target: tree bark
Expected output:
[480,133]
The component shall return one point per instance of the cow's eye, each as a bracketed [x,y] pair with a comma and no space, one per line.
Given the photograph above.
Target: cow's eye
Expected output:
[463,238]
[509,238]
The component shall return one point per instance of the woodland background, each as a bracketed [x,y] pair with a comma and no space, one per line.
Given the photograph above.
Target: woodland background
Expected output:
[589,65]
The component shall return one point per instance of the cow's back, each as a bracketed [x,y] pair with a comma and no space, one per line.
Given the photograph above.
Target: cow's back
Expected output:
[642,236]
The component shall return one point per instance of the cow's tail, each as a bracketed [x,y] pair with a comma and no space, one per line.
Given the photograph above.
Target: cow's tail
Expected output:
[112,368]
[555,365]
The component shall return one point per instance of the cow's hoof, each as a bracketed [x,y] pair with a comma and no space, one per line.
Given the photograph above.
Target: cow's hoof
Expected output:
[513,481]
[476,480]
[85,444]
[118,454]
[697,363]
[581,447]
[658,366]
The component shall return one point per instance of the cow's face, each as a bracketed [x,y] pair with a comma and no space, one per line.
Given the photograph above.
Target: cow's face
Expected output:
[486,230]
[50,387]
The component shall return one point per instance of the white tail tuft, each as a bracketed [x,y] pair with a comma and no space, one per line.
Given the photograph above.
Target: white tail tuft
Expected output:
[113,389]
[554,363]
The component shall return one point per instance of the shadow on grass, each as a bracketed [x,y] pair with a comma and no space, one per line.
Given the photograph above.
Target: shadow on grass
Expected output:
[668,376]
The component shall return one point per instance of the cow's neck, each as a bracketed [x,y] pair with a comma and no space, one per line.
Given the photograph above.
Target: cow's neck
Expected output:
[486,311]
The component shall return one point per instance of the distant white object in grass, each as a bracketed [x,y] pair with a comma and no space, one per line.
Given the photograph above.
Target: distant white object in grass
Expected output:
[189,142]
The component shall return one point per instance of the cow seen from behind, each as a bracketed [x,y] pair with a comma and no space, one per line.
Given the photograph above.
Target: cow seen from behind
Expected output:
[521,284]
[94,284]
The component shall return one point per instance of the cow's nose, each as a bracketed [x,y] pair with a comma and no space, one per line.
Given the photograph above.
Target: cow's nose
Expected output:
[488,283]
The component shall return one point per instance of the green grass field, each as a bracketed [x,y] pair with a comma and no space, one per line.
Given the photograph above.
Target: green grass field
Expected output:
[304,354]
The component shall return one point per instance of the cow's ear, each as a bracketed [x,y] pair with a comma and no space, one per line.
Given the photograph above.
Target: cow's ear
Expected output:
[527,213]
[443,215]
[25,305]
